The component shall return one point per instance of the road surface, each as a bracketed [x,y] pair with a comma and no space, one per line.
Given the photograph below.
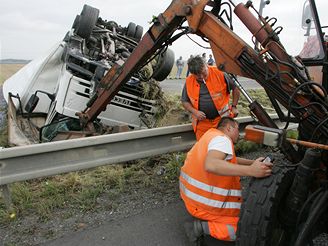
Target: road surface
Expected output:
[156,227]
[175,85]
[160,226]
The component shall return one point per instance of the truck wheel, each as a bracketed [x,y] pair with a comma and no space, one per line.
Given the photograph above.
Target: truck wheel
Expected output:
[76,22]
[131,30]
[87,21]
[138,33]
[259,222]
[164,65]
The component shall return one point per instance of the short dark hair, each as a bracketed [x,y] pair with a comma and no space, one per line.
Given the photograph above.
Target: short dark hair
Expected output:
[196,64]
[226,120]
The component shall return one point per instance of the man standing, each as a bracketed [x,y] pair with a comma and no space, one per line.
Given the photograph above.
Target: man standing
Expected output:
[210,61]
[204,57]
[210,184]
[206,95]
[180,64]
[187,74]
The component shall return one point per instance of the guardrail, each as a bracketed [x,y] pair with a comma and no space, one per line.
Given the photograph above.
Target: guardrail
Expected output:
[47,159]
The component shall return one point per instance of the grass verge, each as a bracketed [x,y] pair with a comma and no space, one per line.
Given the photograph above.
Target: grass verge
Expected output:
[81,190]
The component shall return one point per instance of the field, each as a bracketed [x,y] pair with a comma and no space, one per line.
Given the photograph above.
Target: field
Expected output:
[7,70]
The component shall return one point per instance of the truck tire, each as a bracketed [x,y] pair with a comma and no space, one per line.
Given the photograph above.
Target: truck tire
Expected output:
[164,65]
[87,21]
[138,33]
[76,22]
[131,30]
[259,220]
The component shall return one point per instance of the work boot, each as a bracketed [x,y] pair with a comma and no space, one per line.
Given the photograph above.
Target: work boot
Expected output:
[194,232]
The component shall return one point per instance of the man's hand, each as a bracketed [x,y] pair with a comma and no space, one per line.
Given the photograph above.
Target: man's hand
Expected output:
[200,115]
[260,169]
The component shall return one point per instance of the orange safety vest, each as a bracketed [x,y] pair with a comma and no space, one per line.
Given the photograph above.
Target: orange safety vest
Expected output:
[215,194]
[217,88]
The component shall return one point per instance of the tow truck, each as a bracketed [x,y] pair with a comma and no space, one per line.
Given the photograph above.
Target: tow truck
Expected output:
[289,208]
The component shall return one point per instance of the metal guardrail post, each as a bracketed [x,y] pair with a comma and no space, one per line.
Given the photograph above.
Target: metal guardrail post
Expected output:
[6,196]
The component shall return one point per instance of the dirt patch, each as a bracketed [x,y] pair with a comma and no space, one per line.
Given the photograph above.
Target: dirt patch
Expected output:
[7,70]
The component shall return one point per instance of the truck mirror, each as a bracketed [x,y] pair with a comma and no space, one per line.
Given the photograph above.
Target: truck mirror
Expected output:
[31,104]
[307,18]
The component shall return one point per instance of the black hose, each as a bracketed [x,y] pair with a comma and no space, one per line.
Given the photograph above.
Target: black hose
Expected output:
[310,198]
[294,93]
[316,129]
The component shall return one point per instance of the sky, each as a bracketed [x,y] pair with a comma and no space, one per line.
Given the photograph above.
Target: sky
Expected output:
[29,28]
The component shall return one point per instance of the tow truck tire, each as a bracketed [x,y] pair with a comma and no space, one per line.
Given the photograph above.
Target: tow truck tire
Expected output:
[88,20]
[164,65]
[259,221]
[138,33]
[131,30]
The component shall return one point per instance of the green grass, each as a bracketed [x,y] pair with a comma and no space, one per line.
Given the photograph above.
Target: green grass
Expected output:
[80,190]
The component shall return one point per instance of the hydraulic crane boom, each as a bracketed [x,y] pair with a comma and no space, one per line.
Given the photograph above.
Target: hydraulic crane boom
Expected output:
[225,44]
[231,53]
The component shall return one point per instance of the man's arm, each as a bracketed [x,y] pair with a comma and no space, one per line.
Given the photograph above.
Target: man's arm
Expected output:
[243,161]
[235,94]
[216,164]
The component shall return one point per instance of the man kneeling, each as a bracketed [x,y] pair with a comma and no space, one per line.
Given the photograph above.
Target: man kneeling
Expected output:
[210,182]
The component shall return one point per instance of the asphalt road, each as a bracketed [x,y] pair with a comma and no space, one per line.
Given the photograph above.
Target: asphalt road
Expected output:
[156,227]
[160,226]
[176,85]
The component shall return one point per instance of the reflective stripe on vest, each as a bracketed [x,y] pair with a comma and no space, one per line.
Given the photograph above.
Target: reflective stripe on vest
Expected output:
[207,201]
[225,111]
[209,188]
[232,233]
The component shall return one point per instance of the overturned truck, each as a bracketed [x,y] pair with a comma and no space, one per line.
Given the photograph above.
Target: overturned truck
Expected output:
[45,95]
